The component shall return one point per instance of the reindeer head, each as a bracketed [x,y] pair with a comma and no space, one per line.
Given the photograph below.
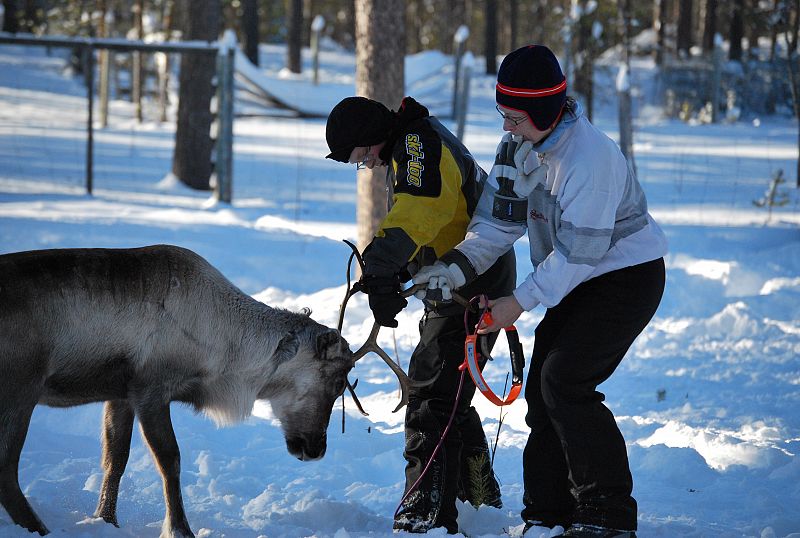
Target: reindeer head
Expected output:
[311,375]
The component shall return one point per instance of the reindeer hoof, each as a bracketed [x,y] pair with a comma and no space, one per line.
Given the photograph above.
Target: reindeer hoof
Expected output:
[41,529]
[108,518]
[178,531]
[33,525]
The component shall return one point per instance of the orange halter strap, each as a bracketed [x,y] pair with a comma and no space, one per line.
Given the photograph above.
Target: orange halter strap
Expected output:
[472,359]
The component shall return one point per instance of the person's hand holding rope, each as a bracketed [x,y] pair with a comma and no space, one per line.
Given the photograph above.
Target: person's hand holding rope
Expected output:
[505,311]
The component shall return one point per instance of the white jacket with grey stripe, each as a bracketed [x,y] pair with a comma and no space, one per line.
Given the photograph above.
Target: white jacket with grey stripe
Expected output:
[588,216]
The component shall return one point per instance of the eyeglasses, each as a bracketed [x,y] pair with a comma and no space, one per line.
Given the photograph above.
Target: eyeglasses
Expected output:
[362,164]
[515,121]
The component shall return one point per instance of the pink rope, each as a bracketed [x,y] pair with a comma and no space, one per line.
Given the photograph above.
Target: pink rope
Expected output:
[449,422]
[435,450]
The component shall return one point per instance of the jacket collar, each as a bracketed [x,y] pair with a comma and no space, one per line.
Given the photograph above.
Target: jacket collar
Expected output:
[567,122]
[410,111]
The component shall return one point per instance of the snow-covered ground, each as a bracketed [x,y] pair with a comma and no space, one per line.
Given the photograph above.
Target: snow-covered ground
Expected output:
[708,398]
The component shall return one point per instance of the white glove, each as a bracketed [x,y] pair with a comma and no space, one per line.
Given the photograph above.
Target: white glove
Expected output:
[526,182]
[525,172]
[521,156]
[439,277]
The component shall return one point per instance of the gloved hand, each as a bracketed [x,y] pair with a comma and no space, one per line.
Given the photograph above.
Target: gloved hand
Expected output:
[384,298]
[441,280]
[505,167]
[519,167]
[522,154]
[531,173]
[507,205]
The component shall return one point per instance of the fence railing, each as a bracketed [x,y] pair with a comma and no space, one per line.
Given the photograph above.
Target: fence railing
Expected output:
[755,86]
[87,46]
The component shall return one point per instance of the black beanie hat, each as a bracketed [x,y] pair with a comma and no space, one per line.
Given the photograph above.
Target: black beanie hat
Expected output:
[355,122]
[530,80]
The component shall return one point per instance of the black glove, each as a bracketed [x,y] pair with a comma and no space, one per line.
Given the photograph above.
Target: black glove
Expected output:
[506,205]
[384,298]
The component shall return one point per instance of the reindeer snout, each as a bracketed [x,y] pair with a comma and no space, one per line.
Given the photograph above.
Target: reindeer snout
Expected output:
[306,449]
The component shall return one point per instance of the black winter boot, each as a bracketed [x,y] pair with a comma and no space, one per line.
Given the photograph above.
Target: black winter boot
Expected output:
[540,525]
[592,531]
[477,483]
[422,510]
[432,503]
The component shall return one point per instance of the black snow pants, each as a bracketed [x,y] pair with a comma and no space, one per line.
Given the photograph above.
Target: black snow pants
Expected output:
[462,467]
[575,464]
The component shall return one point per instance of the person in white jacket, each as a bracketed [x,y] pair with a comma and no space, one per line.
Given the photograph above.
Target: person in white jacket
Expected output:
[598,269]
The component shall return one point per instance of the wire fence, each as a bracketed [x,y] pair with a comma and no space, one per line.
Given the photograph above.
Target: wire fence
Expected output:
[58,118]
[710,173]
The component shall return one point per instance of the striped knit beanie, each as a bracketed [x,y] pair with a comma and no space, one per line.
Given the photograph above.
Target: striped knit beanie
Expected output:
[530,81]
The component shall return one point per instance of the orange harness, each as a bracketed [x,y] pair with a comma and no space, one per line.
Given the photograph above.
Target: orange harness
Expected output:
[472,359]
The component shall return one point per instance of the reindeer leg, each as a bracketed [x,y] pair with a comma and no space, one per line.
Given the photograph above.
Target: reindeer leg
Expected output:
[14,420]
[156,426]
[117,430]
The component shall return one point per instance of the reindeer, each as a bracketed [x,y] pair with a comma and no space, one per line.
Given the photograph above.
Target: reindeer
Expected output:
[138,329]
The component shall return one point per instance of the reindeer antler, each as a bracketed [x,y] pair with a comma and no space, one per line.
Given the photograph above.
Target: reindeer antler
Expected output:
[371,345]
[348,293]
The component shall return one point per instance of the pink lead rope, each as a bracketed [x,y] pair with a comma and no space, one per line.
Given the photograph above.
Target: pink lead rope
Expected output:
[471,363]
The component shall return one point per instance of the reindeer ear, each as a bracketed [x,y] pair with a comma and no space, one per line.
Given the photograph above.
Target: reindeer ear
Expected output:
[326,342]
[287,347]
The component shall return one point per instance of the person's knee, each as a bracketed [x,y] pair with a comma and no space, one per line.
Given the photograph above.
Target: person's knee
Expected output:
[563,387]
[537,419]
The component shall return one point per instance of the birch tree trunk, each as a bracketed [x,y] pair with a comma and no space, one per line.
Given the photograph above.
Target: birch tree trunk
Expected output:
[191,162]
[584,51]
[10,21]
[660,21]
[736,33]
[491,37]
[294,37]
[710,26]
[623,84]
[380,75]
[685,28]
[513,17]
[250,29]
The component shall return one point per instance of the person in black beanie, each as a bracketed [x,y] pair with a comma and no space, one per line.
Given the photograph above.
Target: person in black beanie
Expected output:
[436,185]
[598,269]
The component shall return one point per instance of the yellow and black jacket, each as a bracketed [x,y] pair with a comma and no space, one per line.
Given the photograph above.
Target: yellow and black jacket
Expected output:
[437,184]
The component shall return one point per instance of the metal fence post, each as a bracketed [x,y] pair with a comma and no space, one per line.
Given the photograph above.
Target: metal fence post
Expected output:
[87,46]
[88,65]
[463,99]
[316,28]
[224,166]
[459,38]
[717,56]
